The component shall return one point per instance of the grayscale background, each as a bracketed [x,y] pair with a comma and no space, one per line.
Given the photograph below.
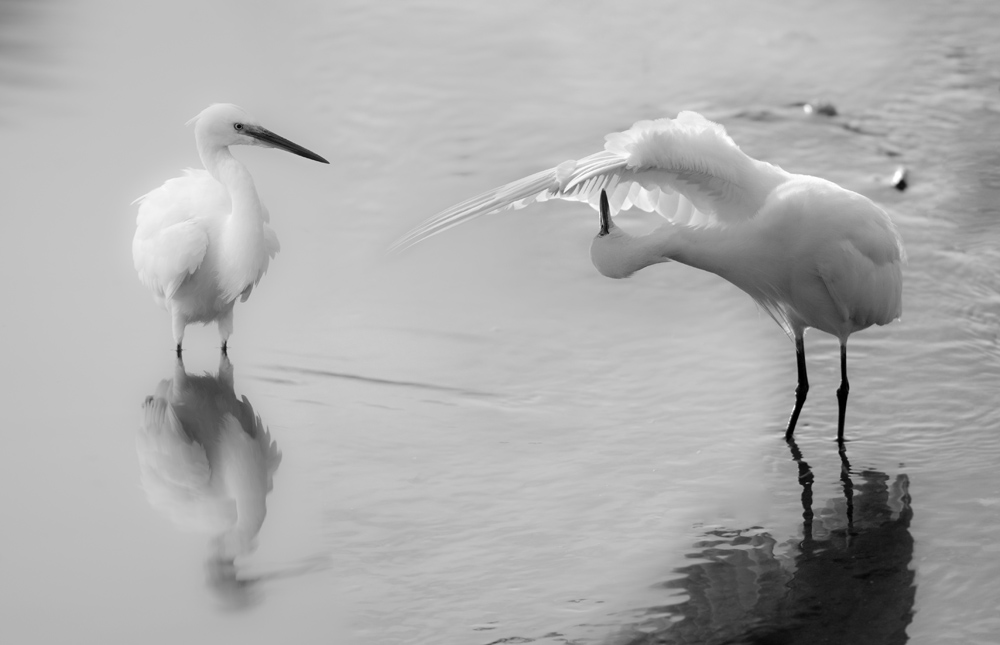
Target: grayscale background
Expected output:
[484,440]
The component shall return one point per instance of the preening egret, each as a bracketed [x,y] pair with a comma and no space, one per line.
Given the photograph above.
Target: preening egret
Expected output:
[206,460]
[810,253]
[202,239]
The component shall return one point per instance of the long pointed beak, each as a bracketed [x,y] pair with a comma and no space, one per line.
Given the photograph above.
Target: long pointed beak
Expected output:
[606,222]
[268,138]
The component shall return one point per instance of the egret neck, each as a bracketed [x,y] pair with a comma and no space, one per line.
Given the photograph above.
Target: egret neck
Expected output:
[241,238]
[618,254]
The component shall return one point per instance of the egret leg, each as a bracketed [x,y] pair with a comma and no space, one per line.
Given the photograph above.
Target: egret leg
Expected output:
[225,348]
[842,392]
[179,350]
[801,389]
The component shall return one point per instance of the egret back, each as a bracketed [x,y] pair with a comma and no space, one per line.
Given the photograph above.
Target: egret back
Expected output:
[862,267]
[827,258]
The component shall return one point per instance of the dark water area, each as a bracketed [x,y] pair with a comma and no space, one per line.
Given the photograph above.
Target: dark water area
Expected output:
[849,579]
[483,440]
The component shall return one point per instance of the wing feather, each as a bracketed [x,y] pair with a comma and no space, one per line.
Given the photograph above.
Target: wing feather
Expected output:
[172,236]
[686,169]
[863,271]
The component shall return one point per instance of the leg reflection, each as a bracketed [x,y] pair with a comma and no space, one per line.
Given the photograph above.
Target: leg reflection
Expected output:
[847,581]
[806,482]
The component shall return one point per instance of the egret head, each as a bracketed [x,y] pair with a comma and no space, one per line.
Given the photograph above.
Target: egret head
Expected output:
[221,125]
[609,251]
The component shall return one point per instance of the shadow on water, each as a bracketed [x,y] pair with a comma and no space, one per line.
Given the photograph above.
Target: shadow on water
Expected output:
[847,581]
[207,462]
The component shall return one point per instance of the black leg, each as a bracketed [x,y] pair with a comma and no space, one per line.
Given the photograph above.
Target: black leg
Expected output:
[842,391]
[225,351]
[801,389]
[179,350]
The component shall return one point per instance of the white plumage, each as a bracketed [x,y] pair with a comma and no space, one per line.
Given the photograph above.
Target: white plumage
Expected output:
[811,253]
[202,239]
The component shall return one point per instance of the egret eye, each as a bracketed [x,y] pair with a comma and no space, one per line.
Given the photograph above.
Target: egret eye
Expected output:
[238,126]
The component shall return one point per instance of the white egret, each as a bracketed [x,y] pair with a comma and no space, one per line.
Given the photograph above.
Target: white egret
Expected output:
[205,458]
[810,253]
[202,239]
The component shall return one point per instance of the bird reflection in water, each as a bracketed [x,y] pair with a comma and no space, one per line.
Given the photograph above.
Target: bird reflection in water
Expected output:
[207,462]
[847,581]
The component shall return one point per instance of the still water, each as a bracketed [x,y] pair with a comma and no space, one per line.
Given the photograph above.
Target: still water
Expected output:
[482,440]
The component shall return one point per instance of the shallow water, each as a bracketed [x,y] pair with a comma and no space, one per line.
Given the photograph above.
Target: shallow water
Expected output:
[483,439]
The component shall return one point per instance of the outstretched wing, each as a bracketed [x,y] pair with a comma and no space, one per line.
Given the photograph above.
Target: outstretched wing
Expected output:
[686,169]
[171,237]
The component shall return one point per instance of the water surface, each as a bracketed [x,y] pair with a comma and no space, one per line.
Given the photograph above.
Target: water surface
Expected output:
[483,440]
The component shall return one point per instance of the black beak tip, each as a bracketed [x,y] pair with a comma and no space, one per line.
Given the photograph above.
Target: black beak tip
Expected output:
[605,214]
[308,154]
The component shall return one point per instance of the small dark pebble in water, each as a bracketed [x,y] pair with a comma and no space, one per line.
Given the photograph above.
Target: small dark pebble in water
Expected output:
[819,107]
[899,179]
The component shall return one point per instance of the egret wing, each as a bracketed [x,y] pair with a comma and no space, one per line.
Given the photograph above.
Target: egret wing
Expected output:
[172,235]
[862,267]
[686,169]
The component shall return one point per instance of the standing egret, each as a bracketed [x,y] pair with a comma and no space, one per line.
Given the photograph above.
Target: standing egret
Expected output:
[202,239]
[810,253]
